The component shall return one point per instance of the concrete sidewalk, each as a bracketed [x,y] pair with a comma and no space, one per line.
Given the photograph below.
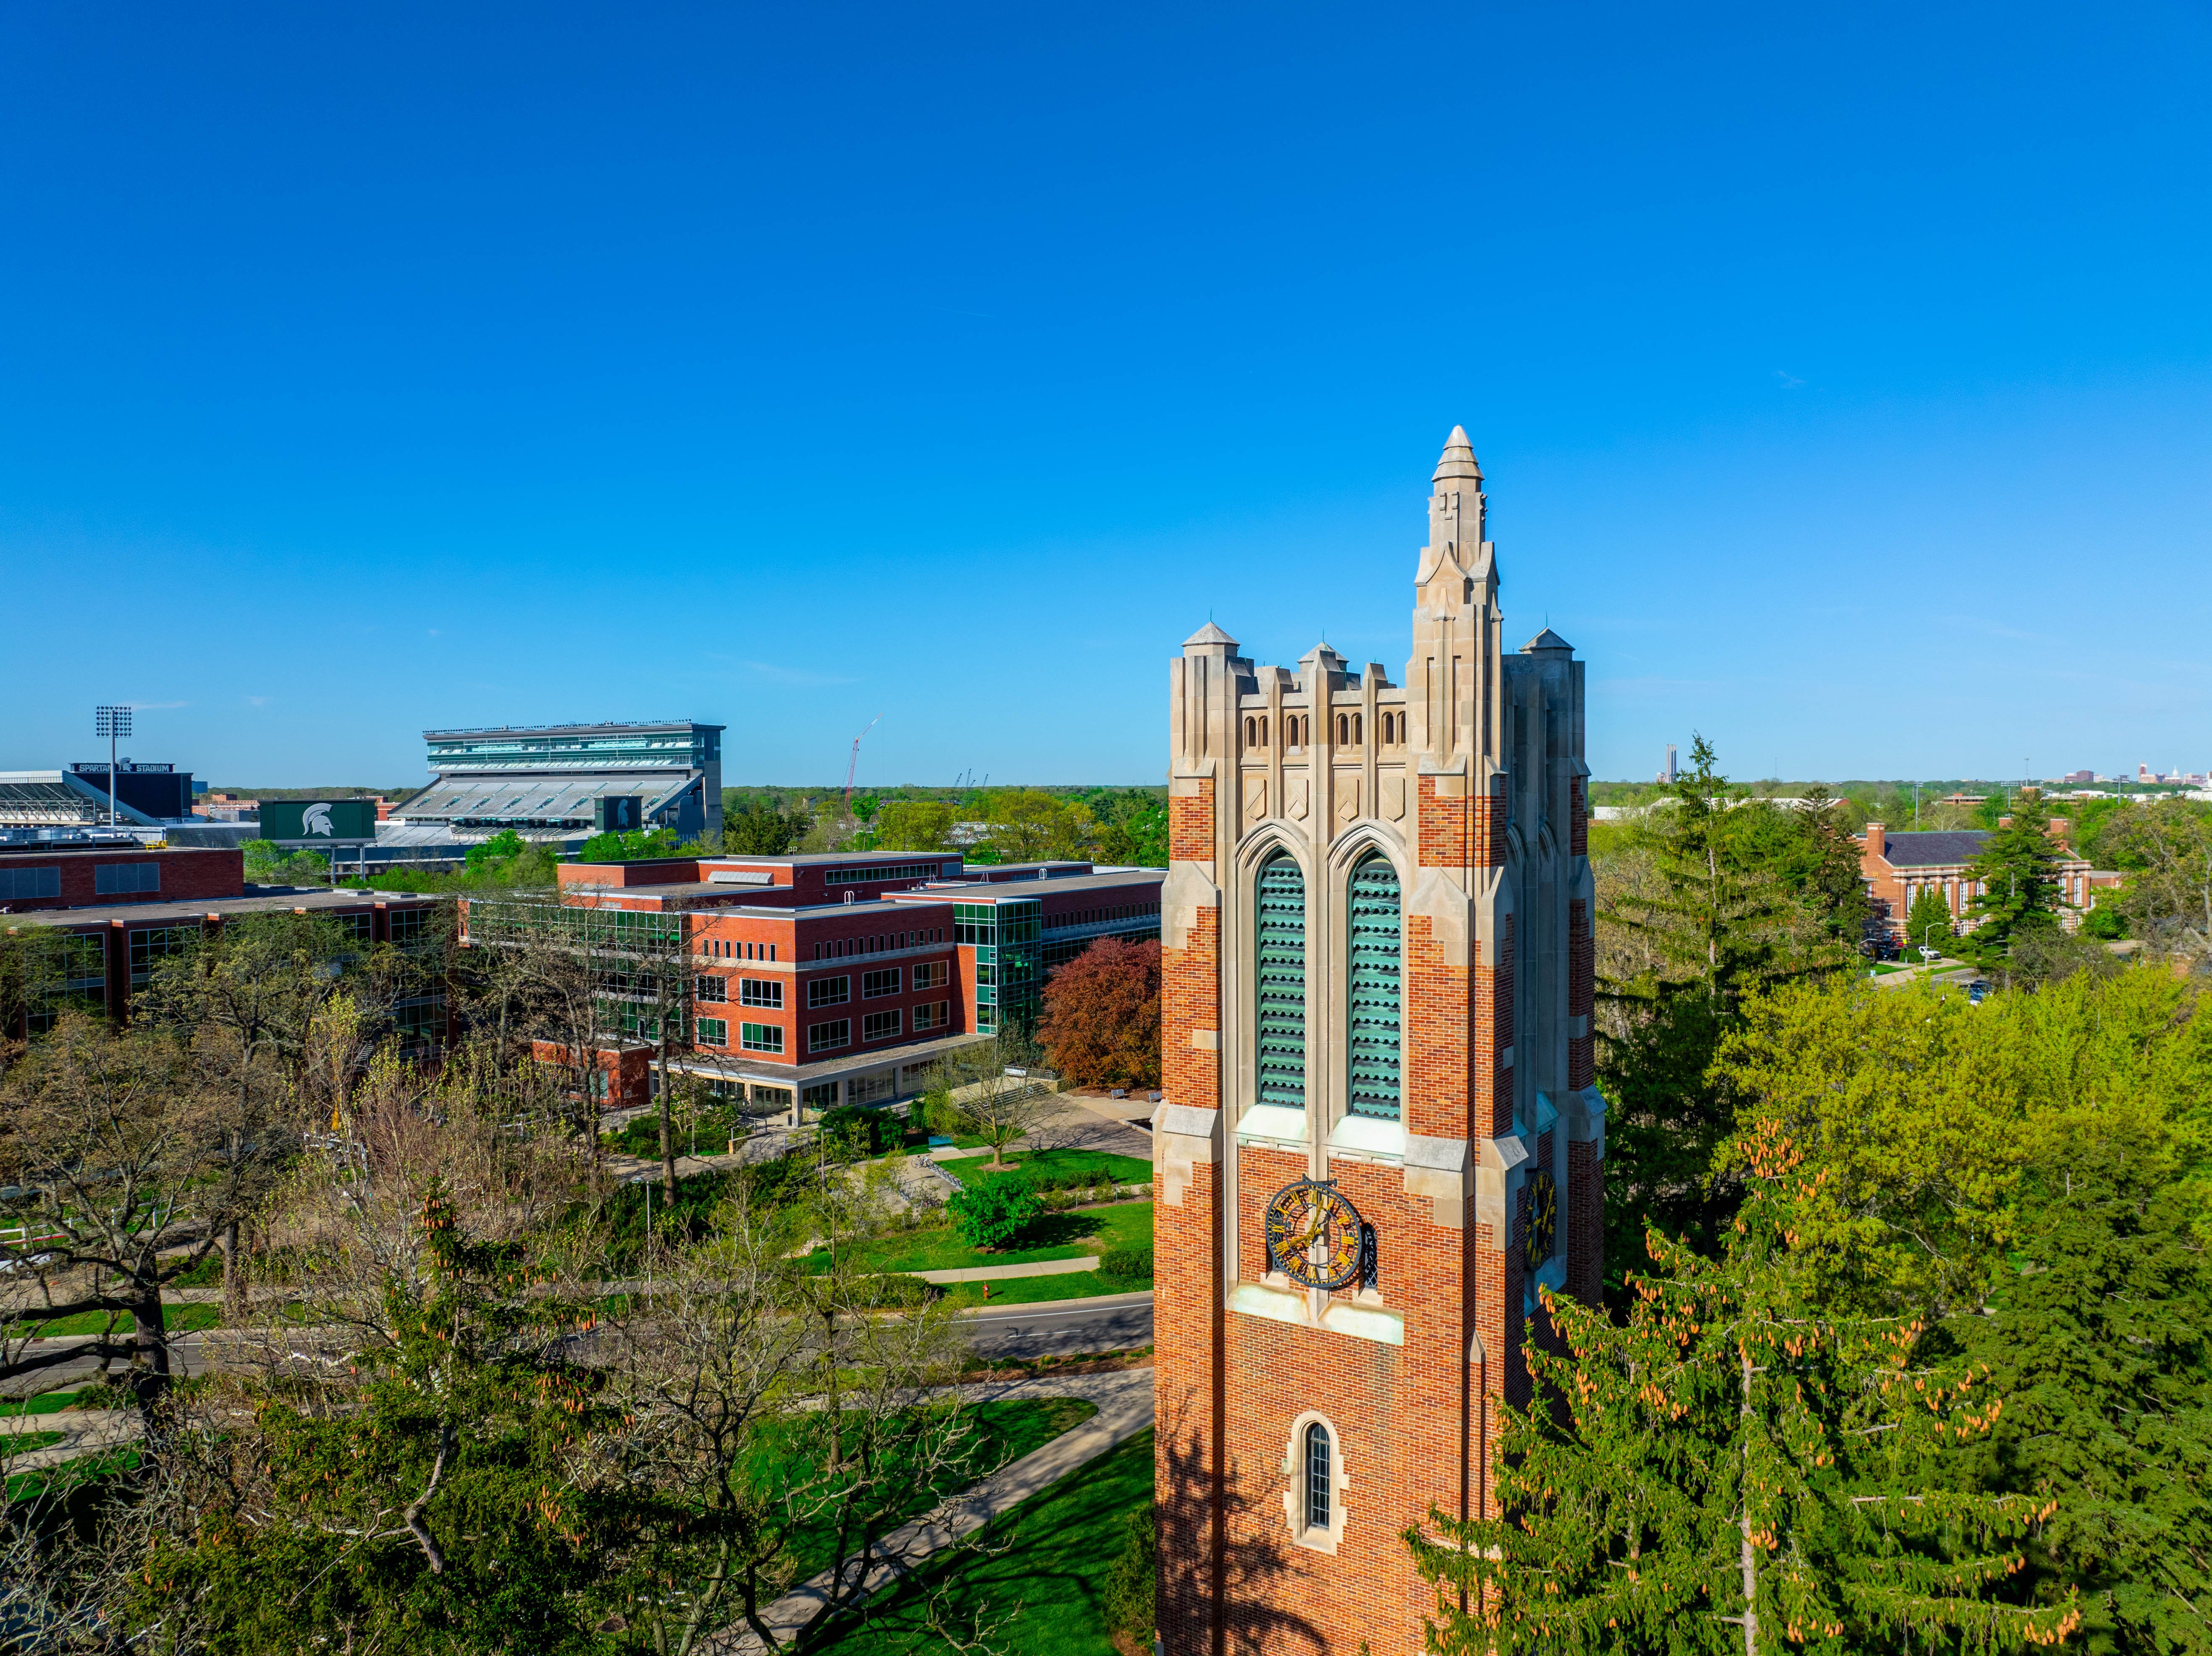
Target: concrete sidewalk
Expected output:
[82,1431]
[1002,1273]
[1125,1409]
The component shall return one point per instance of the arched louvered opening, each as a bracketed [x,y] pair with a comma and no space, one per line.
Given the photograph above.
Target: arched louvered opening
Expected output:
[1375,996]
[1280,1013]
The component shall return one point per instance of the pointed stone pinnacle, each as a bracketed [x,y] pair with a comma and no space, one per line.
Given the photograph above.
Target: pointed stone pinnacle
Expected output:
[1458,459]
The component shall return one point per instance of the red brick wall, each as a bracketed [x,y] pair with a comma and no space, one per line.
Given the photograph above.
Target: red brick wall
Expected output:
[1585,1222]
[193,875]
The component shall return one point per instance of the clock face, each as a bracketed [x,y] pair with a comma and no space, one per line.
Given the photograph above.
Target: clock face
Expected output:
[1314,1235]
[1543,1219]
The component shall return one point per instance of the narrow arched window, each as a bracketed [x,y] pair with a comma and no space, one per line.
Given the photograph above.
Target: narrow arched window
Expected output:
[1320,1476]
[1356,737]
[1263,729]
[1280,1011]
[1343,729]
[1375,996]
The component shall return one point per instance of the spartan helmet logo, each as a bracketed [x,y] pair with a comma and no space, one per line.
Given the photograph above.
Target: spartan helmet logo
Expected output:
[317,820]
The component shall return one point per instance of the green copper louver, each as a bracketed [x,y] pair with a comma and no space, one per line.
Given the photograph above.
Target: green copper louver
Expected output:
[1374,990]
[1282,995]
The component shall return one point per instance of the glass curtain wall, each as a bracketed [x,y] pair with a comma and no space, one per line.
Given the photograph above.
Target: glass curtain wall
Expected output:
[1373,1037]
[1281,1009]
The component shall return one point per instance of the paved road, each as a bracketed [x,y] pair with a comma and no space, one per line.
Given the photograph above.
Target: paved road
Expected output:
[1064,1328]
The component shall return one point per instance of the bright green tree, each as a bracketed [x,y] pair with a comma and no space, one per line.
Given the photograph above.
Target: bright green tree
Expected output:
[914,825]
[1735,1469]
[1927,922]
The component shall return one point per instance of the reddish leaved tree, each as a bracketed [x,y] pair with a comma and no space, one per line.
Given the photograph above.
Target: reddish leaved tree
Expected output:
[1102,1016]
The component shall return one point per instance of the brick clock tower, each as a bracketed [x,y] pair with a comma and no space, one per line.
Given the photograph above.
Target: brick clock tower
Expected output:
[1380,1131]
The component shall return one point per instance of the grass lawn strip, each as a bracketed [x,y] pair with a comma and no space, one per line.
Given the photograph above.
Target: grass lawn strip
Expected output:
[1068,1235]
[176,1318]
[1006,1431]
[1029,1290]
[24,1443]
[1061,1545]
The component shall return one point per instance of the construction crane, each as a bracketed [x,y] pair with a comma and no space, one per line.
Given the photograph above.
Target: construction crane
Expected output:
[855,763]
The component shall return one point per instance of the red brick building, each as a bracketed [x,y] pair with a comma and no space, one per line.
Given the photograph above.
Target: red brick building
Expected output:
[79,873]
[115,946]
[819,980]
[1898,867]
[1381,1132]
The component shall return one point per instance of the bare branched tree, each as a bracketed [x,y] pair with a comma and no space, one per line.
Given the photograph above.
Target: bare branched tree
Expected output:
[134,1153]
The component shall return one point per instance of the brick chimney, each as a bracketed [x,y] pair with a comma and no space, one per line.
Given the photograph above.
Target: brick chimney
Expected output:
[1877,841]
[2061,827]
[2004,822]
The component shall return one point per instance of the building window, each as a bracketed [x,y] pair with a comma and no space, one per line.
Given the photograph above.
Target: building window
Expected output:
[760,1037]
[881,871]
[874,985]
[710,988]
[822,1096]
[829,991]
[407,925]
[1372,1038]
[935,1015]
[1282,985]
[712,1031]
[125,879]
[930,974]
[761,992]
[828,1037]
[157,942]
[28,883]
[880,1026]
[357,928]
[976,923]
[421,1018]
[1320,1481]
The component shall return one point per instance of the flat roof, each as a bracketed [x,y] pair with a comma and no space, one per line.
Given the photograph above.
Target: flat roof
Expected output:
[992,890]
[127,848]
[261,902]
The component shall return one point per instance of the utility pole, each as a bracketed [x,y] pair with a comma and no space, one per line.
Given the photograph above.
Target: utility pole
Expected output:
[110,722]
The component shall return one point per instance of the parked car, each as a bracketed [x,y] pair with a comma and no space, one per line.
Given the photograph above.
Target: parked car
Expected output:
[1976,990]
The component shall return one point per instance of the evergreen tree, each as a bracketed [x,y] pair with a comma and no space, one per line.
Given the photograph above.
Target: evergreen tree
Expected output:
[2018,874]
[1720,924]
[1733,1471]
[2102,1347]
[1927,922]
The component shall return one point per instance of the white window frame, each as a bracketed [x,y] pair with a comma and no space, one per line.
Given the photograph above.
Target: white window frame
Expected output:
[1314,1537]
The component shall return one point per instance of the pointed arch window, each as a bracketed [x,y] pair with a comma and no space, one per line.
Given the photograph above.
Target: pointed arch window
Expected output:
[1375,997]
[1320,1478]
[1281,993]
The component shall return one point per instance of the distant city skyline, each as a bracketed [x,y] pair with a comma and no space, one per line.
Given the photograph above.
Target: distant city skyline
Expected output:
[1841,383]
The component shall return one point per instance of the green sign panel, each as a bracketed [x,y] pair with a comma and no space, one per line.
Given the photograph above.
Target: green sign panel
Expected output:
[319,822]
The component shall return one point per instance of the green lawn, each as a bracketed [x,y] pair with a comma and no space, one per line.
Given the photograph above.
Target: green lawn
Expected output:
[1053,1237]
[21,1443]
[177,1319]
[46,1403]
[1042,1164]
[1007,1431]
[56,1480]
[1029,1290]
[1051,1581]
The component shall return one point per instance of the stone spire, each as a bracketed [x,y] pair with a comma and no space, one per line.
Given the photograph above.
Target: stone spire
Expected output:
[1458,459]
[1453,676]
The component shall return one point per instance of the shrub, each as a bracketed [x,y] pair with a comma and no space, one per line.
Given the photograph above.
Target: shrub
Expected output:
[1132,1264]
[992,1213]
[1129,1587]
[870,1131]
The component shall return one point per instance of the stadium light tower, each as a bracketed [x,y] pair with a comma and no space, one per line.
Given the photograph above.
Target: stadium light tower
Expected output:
[110,722]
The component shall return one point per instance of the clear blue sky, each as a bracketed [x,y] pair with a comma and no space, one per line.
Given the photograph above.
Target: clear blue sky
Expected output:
[1844,381]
